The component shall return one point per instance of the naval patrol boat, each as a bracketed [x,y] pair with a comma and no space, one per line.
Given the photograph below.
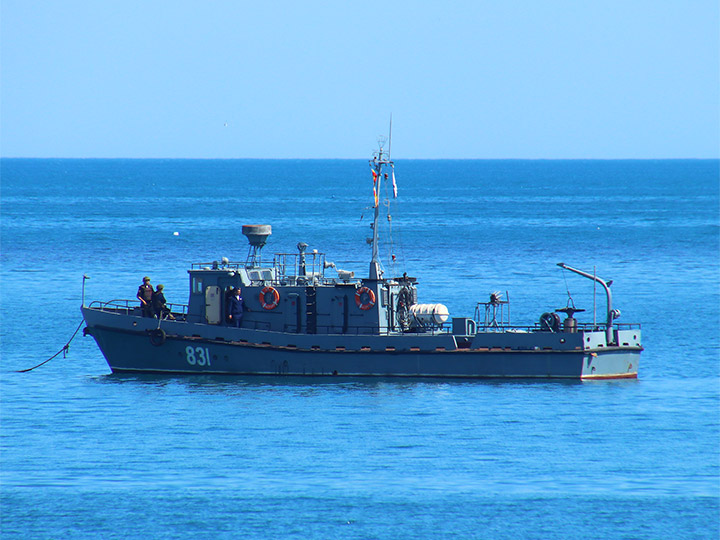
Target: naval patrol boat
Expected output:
[307,317]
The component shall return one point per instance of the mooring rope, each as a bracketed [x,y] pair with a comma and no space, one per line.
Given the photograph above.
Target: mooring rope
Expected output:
[64,350]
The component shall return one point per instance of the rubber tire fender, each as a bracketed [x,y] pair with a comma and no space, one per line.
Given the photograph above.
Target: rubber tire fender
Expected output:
[157,337]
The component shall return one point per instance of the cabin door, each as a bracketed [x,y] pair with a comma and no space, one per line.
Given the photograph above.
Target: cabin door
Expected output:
[212,305]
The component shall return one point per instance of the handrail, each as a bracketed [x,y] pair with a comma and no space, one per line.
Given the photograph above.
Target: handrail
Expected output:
[313,260]
[217,265]
[130,305]
[586,327]
[368,330]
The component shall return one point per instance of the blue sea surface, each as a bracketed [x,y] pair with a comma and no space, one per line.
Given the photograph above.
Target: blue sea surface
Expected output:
[88,454]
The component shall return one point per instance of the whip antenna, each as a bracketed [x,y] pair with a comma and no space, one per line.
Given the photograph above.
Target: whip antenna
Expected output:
[390,138]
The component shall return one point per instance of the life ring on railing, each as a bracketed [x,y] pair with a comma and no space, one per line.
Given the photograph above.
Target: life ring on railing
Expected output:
[275,298]
[364,298]
[157,337]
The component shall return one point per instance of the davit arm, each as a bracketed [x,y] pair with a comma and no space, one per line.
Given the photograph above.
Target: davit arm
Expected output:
[612,314]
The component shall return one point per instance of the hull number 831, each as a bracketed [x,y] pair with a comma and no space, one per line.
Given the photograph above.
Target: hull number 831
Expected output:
[197,356]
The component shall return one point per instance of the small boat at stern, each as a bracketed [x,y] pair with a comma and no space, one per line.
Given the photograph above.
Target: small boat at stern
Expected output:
[302,315]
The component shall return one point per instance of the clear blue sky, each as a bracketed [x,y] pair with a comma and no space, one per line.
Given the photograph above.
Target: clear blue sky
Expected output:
[311,79]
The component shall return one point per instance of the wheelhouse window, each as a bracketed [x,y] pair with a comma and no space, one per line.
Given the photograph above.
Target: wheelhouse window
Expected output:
[197,285]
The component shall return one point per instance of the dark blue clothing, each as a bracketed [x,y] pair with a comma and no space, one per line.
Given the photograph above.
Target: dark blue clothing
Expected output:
[236,308]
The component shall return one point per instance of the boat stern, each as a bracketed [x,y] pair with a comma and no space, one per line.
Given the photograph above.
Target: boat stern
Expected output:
[619,360]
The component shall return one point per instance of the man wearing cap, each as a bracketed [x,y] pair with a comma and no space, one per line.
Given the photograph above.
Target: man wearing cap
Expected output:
[145,294]
[161,310]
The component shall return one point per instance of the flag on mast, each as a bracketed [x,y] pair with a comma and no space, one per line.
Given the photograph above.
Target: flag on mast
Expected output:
[375,191]
[394,184]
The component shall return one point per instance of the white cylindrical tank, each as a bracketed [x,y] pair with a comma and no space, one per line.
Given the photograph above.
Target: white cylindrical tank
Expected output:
[430,314]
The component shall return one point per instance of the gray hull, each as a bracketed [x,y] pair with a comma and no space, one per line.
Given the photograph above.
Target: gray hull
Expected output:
[133,344]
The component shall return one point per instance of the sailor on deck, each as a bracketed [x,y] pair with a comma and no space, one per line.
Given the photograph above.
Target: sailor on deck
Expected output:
[236,308]
[145,294]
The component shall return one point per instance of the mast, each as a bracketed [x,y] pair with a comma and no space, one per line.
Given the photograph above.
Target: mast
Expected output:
[380,159]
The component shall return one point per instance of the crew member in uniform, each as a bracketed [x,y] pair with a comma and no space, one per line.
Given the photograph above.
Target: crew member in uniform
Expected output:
[160,310]
[236,308]
[145,294]
[229,293]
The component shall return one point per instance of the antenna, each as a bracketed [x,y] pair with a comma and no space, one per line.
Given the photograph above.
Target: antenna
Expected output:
[380,158]
[390,139]
[382,139]
[257,237]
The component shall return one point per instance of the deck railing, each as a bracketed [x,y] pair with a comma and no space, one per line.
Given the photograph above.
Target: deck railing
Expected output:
[581,327]
[131,307]
[367,330]
[180,311]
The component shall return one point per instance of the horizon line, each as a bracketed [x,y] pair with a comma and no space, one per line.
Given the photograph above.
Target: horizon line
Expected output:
[364,158]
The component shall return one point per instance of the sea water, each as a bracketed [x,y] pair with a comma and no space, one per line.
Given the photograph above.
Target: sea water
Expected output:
[88,454]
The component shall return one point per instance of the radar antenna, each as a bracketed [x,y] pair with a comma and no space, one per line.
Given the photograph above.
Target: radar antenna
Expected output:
[257,237]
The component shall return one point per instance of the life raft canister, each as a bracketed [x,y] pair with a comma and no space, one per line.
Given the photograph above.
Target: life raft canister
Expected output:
[364,298]
[269,298]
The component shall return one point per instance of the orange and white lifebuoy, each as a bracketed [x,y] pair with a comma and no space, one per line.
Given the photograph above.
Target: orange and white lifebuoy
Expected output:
[364,298]
[274,298]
